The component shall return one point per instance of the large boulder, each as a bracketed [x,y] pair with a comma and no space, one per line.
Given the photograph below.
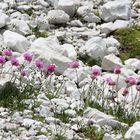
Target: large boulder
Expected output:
[50,51]
[133,132]
[4,19]
[20,26]
[69,6]
[97,47]
[117,9]
[15,41]
[110,62]
[57,17]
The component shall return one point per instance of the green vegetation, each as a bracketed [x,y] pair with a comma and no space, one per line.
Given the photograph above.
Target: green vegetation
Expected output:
[28,12]
[59,137]
[13,98]
[88,60]
[91,133]
[38,34]
[62,116]
[130,42]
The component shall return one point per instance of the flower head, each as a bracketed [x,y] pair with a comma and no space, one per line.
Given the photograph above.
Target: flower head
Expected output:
[7,52]
[2,60]
[39,64]
[110,82]
[27,56]
[14,62]
[125,92]
[51,68]
[24,73]
[138,87]
[74,64]
[130,80]
[117,70]
[95,72]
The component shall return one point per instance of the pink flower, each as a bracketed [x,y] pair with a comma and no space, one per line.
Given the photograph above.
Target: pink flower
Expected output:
[24,73]
[125,91]
[138,87]
[2,60]
[74,64]
[130,80]
[7,52]
[27,56]
[95,72]
[39,64]
[110,82]
[117,70]
[51,68]
[14,62]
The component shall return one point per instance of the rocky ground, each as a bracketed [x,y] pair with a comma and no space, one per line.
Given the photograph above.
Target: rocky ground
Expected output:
[91,49]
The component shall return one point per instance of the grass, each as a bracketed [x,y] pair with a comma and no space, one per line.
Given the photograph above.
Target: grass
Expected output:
[130,42]
[13,98]
[39,118]
[62,116]
[59,137]
[88,60]
[38,34]
[91,133]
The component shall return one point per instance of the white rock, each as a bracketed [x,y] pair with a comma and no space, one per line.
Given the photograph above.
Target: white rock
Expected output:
[132,63]
[69,6]
[57,17]
[110,26]
[15,41]
[69,51]
[84,10]
[4,19]
[108,137]
[134,132]
[82,73]
[30,122]
[76,23]
[111,61]
[95,114]
[45,48]
[91,18]
[95,48]
[117,9]
[20,27]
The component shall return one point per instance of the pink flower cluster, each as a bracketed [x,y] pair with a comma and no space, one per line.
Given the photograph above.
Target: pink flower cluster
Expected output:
[28,57]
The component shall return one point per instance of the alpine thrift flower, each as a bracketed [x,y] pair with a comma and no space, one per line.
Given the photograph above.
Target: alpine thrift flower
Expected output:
[95,72]
[74,64]
[125,92]
[138,87]
[117,70]
[2,60]
[39,64]
[51,68]
[14,62]
[7,52]
[130,80]
[110,82]
[27,56]
[24,73]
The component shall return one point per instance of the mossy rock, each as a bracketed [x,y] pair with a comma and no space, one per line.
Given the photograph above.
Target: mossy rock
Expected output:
[130,42]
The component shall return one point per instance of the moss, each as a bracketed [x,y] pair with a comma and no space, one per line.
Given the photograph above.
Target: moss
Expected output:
[130,42]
